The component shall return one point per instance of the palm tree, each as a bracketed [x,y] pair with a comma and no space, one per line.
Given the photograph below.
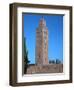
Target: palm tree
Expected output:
[26,61]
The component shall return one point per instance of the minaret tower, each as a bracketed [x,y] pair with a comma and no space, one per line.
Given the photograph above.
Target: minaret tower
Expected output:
[42,43]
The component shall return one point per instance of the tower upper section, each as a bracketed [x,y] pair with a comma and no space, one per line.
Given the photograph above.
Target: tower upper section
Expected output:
[42,22]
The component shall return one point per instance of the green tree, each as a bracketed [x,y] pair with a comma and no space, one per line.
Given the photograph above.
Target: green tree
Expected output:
[58,61]
[26,61]
[52,61]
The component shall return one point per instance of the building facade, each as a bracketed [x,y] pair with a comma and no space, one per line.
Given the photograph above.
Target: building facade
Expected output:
[42,43]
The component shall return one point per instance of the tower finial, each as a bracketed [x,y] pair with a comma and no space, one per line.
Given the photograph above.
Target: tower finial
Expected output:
[42,22]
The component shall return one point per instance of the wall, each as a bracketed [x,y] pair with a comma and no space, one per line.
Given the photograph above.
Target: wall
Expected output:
[50,68]
[4,46]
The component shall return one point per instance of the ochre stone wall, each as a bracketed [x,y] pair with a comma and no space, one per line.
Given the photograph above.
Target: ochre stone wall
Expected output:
[51,68]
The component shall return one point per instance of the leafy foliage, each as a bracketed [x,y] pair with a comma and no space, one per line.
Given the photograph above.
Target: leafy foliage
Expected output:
[52,61]
[57,61]
[26,61]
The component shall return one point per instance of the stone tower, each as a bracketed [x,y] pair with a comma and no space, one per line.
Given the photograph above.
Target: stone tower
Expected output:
[42,43]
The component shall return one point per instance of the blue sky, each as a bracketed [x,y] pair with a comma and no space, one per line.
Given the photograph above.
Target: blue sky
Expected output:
[54,24]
